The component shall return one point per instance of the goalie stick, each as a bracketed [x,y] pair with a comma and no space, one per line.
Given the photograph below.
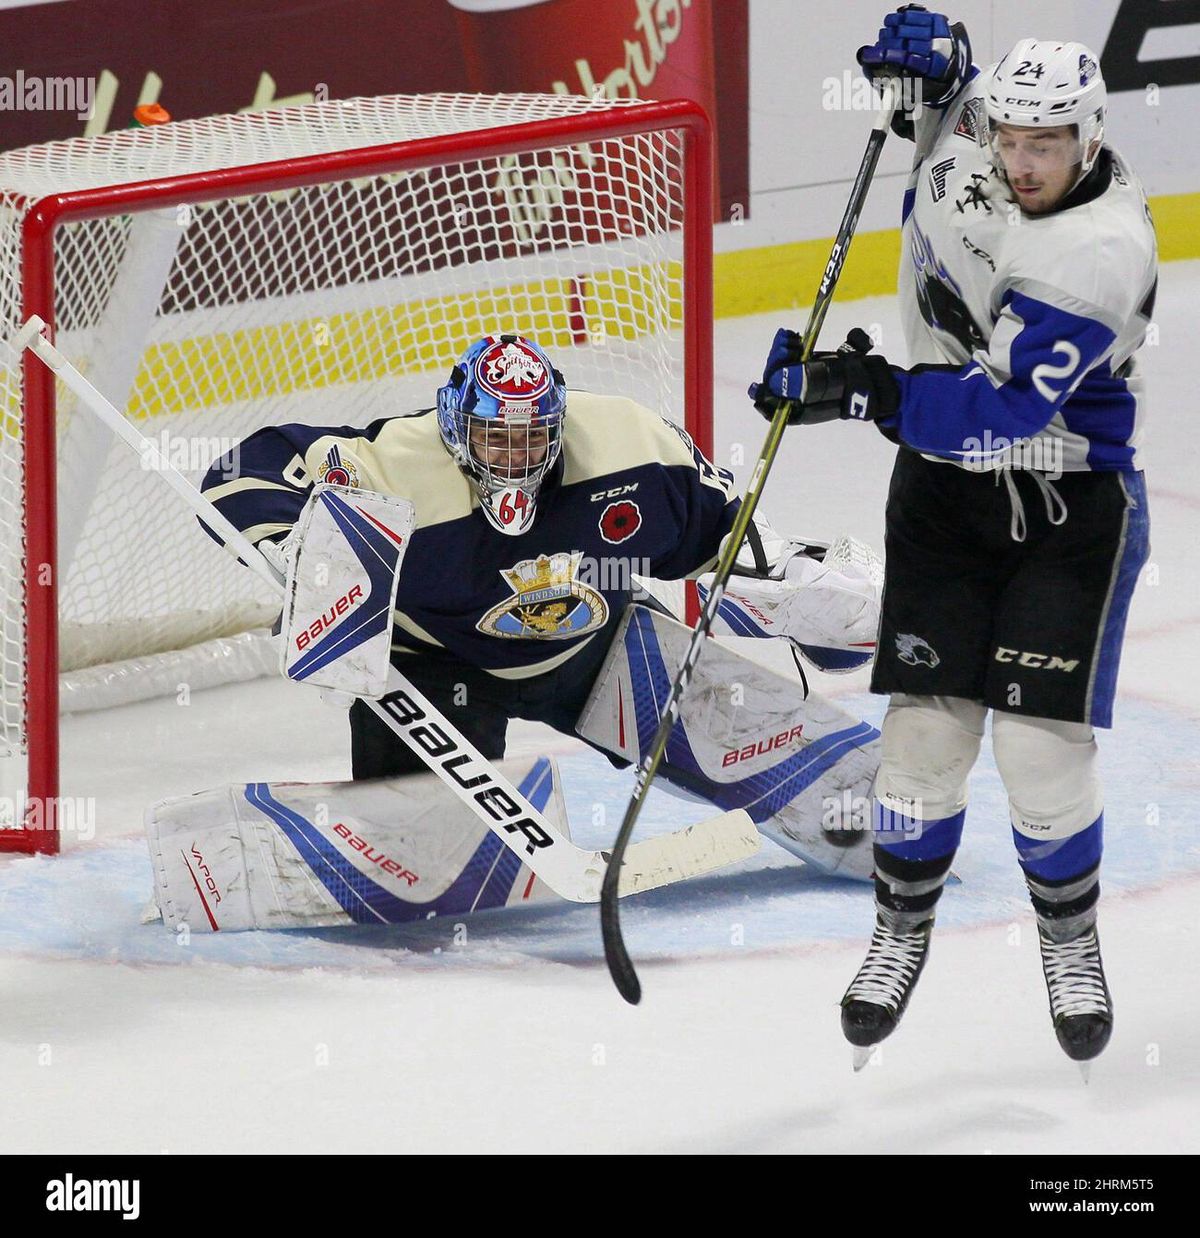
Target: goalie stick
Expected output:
[620,965]
[574,873]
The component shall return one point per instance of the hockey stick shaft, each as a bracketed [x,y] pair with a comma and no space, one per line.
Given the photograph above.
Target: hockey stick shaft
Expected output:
[620,965]
[572,872]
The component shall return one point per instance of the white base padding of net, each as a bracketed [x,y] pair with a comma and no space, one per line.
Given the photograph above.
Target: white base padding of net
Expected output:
[227,659]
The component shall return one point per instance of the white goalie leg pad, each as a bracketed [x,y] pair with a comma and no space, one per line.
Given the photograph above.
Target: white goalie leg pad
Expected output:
[746,738]
[309,855]
[1049,772]
[930,744]
[343,563]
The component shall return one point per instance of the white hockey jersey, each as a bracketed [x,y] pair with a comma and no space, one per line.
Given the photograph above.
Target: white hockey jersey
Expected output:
[1021,329]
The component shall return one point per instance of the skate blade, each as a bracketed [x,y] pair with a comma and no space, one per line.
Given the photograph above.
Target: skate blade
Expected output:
[1085,1069]
[862,1055]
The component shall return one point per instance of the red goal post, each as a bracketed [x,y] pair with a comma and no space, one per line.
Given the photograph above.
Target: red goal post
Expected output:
[605,255]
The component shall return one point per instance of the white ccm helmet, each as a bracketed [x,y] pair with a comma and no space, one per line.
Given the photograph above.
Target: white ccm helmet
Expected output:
[1042,83]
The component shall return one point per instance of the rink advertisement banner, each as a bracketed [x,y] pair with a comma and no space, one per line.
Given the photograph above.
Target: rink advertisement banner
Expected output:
[225,56]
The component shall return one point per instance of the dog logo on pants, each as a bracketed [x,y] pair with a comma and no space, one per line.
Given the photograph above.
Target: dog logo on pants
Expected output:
[915,651]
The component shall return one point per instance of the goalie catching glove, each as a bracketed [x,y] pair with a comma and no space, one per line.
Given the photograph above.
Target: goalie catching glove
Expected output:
[822,597]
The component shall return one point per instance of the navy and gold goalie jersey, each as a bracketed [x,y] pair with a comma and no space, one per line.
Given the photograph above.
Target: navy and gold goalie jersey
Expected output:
[630,494]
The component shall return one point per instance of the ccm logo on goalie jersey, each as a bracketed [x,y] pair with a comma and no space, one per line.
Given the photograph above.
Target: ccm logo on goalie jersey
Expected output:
[326,620]
[734,755]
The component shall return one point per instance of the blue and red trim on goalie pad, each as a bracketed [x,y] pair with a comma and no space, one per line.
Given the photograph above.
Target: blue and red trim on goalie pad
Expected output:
[485,882]
[762,794]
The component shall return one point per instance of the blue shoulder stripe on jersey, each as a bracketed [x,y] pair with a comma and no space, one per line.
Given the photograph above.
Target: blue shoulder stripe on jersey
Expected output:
[910,198]
[952,412]
[377,552]
[763,794]
[485,882]
[1134,552]
[265,455]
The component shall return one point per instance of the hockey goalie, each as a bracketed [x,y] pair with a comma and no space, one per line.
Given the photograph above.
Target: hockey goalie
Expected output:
[508,530]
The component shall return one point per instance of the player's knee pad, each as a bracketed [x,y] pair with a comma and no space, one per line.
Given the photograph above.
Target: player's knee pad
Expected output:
[1049,772]
[930,744]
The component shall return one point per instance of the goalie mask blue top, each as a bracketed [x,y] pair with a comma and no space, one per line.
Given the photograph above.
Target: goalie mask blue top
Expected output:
[501,418]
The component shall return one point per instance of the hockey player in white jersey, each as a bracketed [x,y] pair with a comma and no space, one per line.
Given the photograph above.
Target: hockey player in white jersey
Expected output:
[1017,521]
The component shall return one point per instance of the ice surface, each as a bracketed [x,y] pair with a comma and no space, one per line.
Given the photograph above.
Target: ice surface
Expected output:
[508,1035]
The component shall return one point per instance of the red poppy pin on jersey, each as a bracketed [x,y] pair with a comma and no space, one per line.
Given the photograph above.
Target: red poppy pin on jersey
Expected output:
[620,521]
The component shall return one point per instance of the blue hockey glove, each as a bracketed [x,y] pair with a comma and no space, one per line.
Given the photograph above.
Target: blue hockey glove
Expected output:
[846,383]
[919,44]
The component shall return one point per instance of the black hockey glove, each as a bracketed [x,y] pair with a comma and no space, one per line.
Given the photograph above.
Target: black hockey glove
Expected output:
[846,383]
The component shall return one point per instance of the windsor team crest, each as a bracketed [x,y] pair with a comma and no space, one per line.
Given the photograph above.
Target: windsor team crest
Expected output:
[548,602]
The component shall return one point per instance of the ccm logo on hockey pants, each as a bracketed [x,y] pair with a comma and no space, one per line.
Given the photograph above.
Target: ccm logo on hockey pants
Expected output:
[1043,661]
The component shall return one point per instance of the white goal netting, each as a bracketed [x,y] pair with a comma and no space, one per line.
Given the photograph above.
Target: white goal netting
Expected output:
[337,301]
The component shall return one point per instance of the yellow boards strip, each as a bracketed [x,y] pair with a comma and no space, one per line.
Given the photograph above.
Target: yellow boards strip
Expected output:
[777,277]
[389,341]
[753,281]
[1177,223]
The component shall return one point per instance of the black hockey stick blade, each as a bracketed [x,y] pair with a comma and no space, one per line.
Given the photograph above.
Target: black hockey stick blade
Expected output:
[620,965]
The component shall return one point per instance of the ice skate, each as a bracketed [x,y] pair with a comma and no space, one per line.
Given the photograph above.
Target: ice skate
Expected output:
[878,994]
[1080,1003]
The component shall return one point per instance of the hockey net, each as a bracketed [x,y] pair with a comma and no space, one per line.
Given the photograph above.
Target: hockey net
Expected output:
[322,264]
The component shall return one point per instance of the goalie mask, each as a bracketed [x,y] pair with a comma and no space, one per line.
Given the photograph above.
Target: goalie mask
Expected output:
[1042,85]
[501,418]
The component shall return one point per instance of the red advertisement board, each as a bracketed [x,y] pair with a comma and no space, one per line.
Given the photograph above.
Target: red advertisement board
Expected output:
[63,60]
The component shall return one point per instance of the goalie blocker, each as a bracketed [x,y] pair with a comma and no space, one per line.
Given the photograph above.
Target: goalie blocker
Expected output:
[822,597]
[342,561]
